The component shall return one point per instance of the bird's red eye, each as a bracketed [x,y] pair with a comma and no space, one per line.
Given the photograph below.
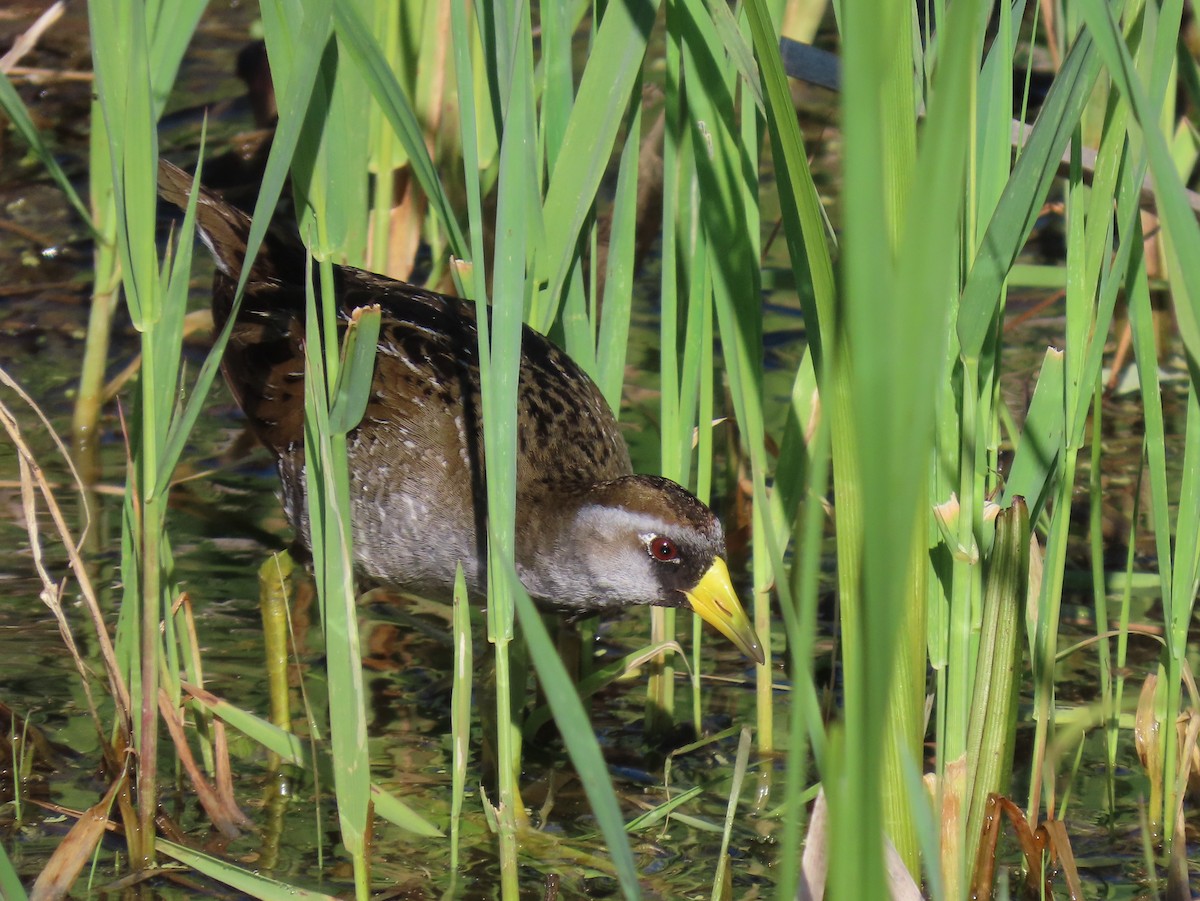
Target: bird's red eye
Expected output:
[663,550]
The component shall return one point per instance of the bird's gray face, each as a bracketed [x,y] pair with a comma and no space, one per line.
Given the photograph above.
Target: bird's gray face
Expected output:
[650,542]
[633,557]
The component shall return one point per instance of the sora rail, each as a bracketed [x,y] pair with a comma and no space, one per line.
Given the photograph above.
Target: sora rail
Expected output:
[590,535]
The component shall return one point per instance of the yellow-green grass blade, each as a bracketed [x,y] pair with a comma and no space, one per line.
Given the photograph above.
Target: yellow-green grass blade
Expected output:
[396,812]
[804,229]
[293,102]
[460,708]
[603,677]
[361,46]
[18,115]
[122,40]
[1145,352]
[900,281]
[1182,241]
[10,883]
[329,519]
[657,814]
[804,223]
[330,164]
[613,333]
[465,78]
[290,747]
[591,132]
[1021,201]
[305,59]
[1035,462]
[992,161]
[353,387]
[728,215]
[721,880]
[254,884]
[120,44]
[580,740]
[499,367]
[992,727]
[329,174]
[294,750]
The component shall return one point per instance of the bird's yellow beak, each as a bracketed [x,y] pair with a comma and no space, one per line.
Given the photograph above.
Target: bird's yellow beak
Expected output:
[714,602]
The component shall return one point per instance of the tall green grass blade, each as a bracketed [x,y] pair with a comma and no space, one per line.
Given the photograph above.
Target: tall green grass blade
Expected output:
[1035,462]
[499,370]
[662,811]
[465,75]
[460,709]
[354,37]
[1022,199]
[121,55]
[1181,230]
[591,132]
[396,812]
[10,883]
[254,884]
[293,99]
[992,729]
[18,115]
[613,338]
[328,487]
[580,740]
[804,223]
[353,387]
[294,750]
[735,789]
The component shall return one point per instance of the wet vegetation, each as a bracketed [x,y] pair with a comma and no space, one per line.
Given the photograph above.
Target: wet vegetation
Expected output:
[928,343]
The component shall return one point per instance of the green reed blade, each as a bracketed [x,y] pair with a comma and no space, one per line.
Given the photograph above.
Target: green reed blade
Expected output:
[804,224]
[293,101]
[721,877]
[993,107]
[1181,230]
[1182,241]
[805,231]
[460,709]
[353,387]
[10,883]
[613,339]
[602,678]
[396,812]
[18,115]
[254,884]
[329,522]
[559,22]
[740,54]
[121,43]
[172,25]
[294,750]
[992,728]
[591,132]
[580,740]
[134,157]
[1035,462]
[465,78]
[1027,187]
[726,161]
[356,39]
[662,811]
[499,369]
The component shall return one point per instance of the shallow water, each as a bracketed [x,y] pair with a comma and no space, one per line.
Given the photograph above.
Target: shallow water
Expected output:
[224,524]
